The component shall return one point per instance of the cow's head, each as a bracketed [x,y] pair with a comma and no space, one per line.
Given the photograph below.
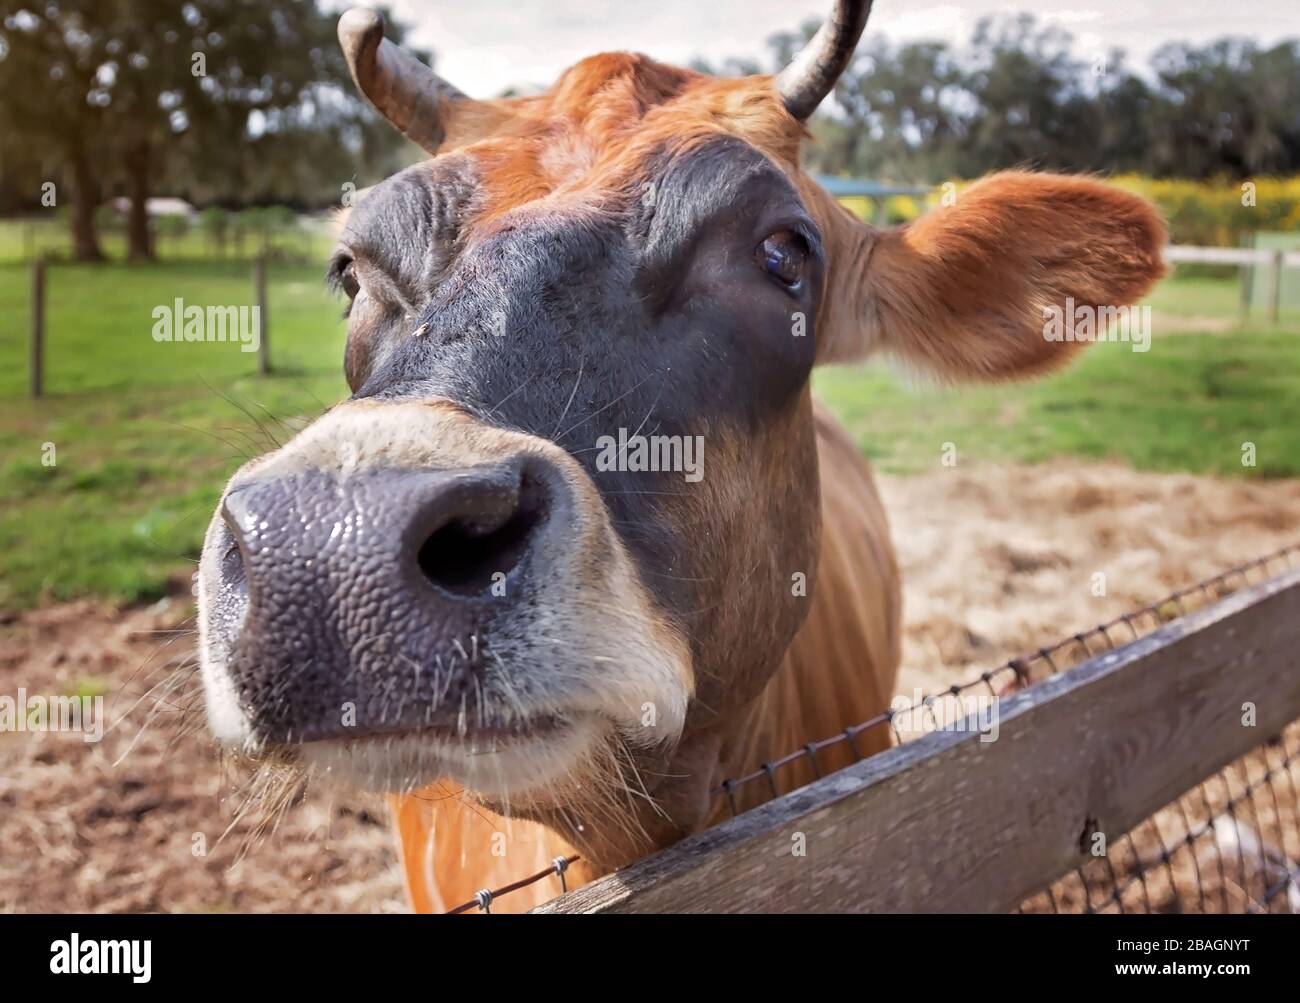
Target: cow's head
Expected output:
[466,571]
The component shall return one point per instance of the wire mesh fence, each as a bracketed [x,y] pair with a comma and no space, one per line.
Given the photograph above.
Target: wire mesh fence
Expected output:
[1230,845]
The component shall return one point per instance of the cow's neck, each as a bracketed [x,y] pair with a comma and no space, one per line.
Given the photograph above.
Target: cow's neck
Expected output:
[839,671]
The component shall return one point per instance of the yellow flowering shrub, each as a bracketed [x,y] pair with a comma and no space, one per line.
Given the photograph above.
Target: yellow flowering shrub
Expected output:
[1204,213]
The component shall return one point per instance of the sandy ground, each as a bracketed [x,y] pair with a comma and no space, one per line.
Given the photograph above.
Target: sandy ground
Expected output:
[997,561]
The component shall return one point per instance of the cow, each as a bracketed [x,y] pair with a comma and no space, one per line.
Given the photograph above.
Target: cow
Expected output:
[451,590]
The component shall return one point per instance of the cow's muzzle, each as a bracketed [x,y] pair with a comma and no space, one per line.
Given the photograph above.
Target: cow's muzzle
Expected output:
[337,583]
[403,572]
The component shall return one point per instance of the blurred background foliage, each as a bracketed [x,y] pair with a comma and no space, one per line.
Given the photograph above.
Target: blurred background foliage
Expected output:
[1022,93]
[225,103]
[1206,213]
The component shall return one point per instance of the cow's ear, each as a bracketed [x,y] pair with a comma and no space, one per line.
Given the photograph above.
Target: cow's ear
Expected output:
[969,289]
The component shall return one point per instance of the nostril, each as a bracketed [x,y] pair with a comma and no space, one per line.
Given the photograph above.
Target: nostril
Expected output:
[228,599]
[232,554]
[465,554]
[232,564]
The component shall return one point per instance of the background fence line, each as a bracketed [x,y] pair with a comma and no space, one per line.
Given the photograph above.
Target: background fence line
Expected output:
[37,310]
[1246,260]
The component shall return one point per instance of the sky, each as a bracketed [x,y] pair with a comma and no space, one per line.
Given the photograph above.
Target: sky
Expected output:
[484,46]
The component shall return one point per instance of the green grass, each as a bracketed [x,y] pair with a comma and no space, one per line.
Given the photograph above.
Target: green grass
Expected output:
[146,434]
[1190,404]
[1187,404]
[99,325]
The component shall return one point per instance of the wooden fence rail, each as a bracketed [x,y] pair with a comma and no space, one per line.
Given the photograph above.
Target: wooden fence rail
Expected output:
[950,823]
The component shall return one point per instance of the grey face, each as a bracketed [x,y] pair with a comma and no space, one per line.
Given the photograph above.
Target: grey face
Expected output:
[445,556]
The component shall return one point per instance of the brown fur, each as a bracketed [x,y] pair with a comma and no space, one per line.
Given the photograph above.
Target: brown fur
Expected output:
[838,672]
[960,291]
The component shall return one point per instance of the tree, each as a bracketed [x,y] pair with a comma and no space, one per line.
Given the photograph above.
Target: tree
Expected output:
[1227,107]
[48,65]
[1027,92]
[207,77]
[906,109]
[1018,94]
[238,99]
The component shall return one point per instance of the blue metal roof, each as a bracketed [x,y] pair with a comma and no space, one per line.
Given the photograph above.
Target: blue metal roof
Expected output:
[842,187]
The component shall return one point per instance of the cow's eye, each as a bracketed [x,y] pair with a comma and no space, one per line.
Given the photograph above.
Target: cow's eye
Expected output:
[348,280]
[784,256]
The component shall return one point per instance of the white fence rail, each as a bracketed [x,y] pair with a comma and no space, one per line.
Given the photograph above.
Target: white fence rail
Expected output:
[1178,253]
[1246,260]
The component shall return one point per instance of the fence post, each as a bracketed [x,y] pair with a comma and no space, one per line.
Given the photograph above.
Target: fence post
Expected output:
[1275,287]
[1245,276]
[263,325]
[38,328]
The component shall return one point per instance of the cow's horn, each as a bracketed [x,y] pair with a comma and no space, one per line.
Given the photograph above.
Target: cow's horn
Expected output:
[402,89]
[812,74]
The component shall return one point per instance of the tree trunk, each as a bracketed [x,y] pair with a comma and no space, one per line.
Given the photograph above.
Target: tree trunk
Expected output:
[138,236]
[81,212]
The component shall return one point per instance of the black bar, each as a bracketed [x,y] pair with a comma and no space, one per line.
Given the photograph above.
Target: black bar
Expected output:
[932,954]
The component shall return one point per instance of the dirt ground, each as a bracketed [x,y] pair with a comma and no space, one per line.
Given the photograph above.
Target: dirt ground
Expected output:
[149,818]
[996,561]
